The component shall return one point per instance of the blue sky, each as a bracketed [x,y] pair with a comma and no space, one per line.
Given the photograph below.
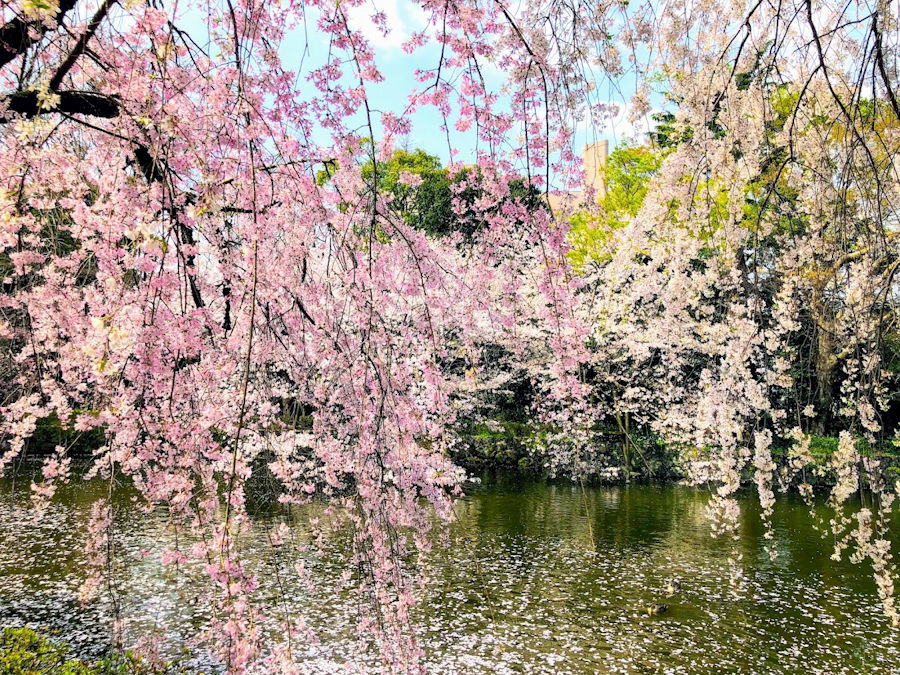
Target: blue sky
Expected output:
[403,18]
[398,68]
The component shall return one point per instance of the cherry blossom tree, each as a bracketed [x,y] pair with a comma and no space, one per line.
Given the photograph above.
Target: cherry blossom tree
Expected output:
[177,276]
[747,303]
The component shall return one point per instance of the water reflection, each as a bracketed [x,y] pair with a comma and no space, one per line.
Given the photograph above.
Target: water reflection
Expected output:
[538,578]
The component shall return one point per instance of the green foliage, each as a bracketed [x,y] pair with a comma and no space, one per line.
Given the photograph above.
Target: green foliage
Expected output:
[628,172]
[429,206]
[49,432]
[891,353]
[504,445]
[329,166]
[496,444]
[25,652]
[666,134]
[822,447]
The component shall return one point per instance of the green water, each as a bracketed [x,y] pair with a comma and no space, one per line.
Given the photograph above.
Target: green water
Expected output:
[537,578]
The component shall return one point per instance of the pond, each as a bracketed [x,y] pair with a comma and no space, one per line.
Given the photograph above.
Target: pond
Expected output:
[539,577]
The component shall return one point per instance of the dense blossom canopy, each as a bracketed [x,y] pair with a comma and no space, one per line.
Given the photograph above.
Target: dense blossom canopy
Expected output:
[199,256]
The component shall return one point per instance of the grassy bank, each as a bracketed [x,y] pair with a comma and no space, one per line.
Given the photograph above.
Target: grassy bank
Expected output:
[24,651]
[498,445]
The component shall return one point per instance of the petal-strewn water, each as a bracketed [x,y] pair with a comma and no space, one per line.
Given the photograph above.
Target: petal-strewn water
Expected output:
[537,578]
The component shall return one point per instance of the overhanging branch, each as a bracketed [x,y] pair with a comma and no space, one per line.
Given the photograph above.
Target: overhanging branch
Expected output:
[18,34]
[27,104]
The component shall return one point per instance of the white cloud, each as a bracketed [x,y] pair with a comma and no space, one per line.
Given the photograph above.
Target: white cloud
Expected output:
[617,125]
[402,18]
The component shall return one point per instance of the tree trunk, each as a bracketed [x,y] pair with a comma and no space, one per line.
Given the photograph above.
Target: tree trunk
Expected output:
[826,362]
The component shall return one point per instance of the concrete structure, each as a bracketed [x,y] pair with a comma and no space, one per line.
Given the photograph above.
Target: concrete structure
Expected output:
[593,157]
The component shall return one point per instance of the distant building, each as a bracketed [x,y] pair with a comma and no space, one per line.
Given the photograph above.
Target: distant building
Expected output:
[593,157]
